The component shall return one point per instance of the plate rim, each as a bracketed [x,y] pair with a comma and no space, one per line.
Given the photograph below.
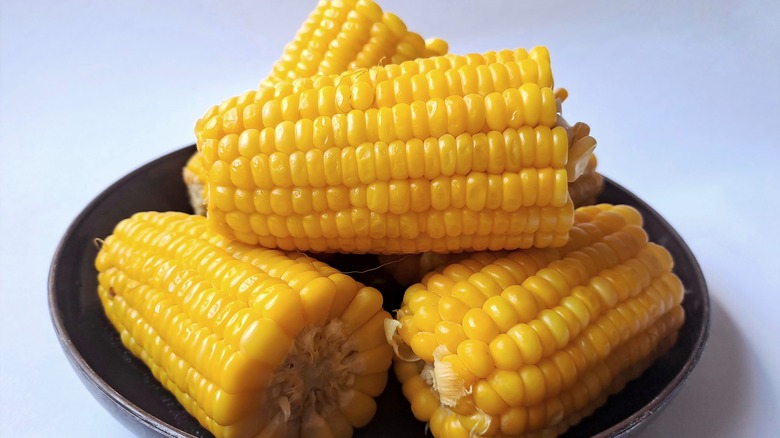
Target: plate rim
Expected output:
[84,371]
[640,418]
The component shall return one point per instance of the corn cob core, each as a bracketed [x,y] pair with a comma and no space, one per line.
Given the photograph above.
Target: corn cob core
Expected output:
[251,341]
[444,154]
[586,189]
[524,342]
[195,178]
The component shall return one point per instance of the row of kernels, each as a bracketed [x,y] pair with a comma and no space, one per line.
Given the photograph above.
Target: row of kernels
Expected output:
[209,358]
[312,54]
[604,216]
[468,79]
[348,36]
[397,117]
[422,243]
[453,62]
[538,53]
[442,197]
[228,115]
[510,70]
[286,64]
[361,222]
[255,158]
[345,48]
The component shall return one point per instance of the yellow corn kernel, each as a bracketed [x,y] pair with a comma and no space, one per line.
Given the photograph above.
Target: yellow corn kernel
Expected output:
[475,355]
[231,329]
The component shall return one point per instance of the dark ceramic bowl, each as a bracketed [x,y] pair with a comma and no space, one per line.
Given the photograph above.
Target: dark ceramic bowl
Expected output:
[123,385]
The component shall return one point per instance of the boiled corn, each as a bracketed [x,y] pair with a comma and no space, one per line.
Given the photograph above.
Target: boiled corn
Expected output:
[512,343]
[344,163]
[251,341]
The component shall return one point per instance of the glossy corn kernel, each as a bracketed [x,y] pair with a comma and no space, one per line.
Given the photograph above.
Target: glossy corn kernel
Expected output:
[460,157]
[251,341]
[531,341]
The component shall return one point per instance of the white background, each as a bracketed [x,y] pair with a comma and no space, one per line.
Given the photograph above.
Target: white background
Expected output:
[682,96]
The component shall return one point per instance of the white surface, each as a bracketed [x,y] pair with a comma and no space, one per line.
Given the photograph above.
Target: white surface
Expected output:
[682,97]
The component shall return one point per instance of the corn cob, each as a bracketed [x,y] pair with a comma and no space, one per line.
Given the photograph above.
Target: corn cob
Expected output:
[337,36]
[251,341]
[362,165]
[344,35]
[525,342]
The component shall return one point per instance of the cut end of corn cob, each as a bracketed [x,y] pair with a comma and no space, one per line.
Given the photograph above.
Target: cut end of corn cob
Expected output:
[586,189]
[525,342]
[251,341]
[195,179]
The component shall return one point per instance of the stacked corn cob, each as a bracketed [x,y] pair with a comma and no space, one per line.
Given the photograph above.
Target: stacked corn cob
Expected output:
[366,139]
[447,154]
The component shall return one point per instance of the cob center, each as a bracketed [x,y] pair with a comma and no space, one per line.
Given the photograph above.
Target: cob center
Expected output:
[320,366]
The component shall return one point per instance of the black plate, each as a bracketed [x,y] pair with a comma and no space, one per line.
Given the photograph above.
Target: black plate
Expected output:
[122,384]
